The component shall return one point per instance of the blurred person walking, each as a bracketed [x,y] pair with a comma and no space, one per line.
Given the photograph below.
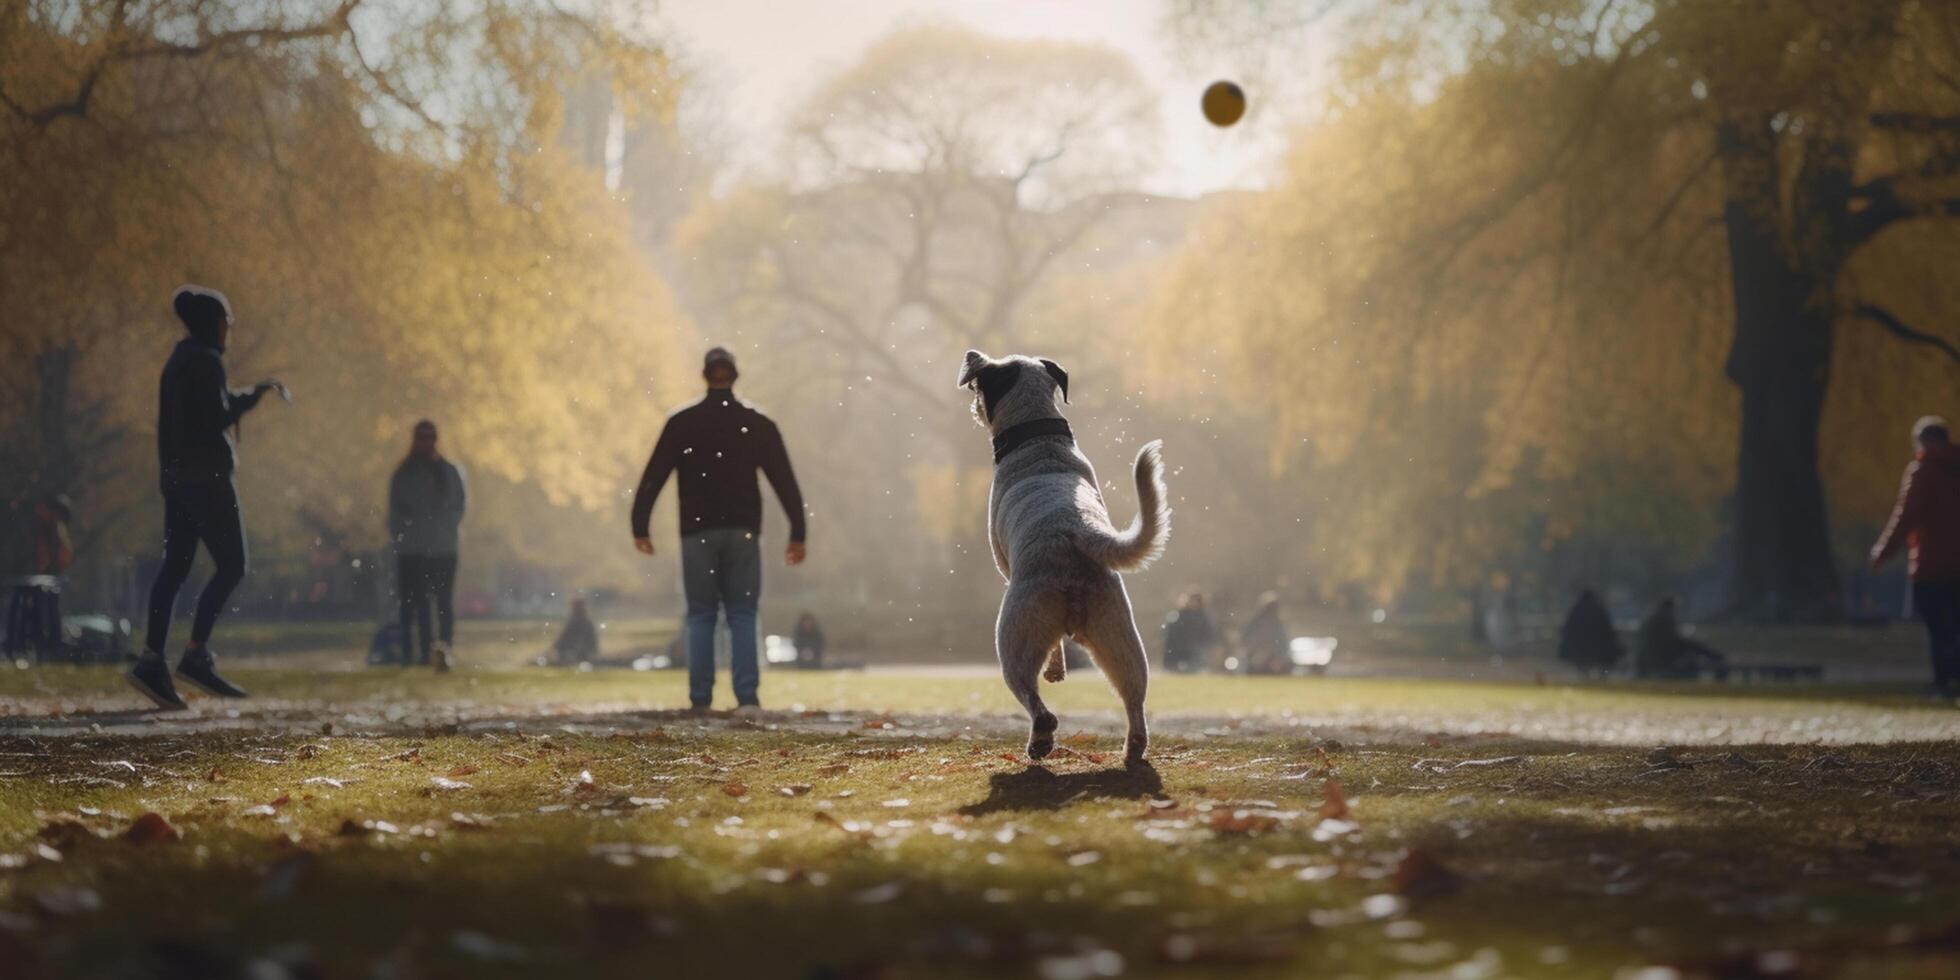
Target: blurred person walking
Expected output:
[717,445]
[427,499]
[197,415]
[1926,522]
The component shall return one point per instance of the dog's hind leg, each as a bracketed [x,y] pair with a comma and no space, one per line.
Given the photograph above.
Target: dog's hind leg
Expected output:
[1112,638]
[1030,626]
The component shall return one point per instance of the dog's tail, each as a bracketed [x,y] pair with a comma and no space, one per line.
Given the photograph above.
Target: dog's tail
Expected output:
[1143,541]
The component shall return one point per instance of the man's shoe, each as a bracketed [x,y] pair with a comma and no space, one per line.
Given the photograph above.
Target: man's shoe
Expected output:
[699,711]
[439,658]
[748,712]
[200,667]
[151,676]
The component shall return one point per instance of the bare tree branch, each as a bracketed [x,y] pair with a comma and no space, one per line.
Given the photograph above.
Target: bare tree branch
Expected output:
[1885,207]
[1898,328]
[118,54]
[1915,122]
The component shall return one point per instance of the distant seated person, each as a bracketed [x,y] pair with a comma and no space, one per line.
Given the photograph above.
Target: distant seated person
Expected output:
[1189,636]
[578,642]
[1265,641]
[1586,640]
[1660,652]
[809,642]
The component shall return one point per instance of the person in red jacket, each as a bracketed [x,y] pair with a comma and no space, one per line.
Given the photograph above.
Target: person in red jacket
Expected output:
[1926,521]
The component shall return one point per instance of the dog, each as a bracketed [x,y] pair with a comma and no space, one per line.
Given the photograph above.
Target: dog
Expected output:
[1056,547]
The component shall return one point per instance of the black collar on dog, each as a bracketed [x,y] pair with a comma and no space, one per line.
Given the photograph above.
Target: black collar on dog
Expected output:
[1017,436]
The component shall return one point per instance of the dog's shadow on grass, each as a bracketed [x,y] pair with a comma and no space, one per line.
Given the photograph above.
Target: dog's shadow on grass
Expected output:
[1040,788]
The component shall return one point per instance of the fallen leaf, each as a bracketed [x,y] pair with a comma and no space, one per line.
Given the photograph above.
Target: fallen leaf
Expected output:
[1229,821]
[447,785]
[735,789]
[1420,875]
[795,789]
[152,828]
[834,769]
[1334,801]
[617,924]
[463,770]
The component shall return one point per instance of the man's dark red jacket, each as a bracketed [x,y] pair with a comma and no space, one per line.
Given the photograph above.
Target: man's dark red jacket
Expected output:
[1927,518]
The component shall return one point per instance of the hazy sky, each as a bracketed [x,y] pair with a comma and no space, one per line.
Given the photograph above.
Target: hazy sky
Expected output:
[764,55]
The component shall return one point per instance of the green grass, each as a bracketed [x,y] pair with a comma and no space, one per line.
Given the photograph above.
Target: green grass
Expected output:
[1573,855]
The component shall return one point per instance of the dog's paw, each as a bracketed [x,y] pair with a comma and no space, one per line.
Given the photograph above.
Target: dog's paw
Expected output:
[1041,739]
[1055,673]
[1135,750]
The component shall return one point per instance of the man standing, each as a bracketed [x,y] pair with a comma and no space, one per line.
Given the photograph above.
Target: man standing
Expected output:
[196,412]
[426,502]
[1927,521]
[718,444]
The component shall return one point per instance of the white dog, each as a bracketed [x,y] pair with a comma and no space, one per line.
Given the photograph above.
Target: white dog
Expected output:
[1055,545]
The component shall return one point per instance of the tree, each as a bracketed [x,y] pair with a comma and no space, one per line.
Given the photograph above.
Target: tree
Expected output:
[931,190]
[389,258]
[1813,136]
[930,195]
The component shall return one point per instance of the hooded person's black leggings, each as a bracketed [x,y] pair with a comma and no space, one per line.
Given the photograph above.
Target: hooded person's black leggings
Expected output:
[197,511]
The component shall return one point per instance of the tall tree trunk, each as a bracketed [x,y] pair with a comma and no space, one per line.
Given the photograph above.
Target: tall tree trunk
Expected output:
[1780,359]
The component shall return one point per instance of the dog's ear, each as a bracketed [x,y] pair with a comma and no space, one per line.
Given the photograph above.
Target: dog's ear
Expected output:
[970,368]
[1061,377]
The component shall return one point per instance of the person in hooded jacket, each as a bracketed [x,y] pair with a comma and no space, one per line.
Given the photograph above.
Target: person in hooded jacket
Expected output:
[197,416]
[1926,522]
[426,501]
[1586,640]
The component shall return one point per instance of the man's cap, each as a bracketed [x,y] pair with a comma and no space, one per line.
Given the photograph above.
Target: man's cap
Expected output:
[200,307]
[1928,422]
[425,426]
[718,355]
